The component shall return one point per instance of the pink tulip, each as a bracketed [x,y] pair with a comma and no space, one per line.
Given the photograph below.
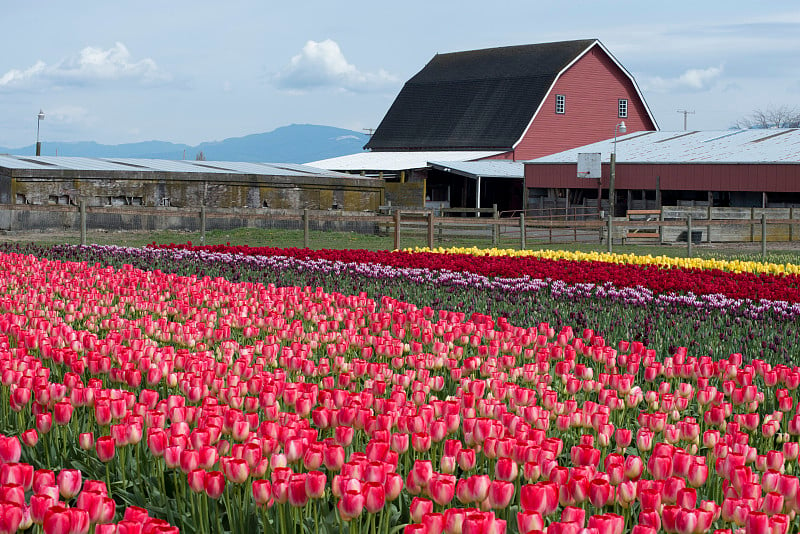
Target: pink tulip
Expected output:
[69,483]
[351,505]
[433,523]
[500,494]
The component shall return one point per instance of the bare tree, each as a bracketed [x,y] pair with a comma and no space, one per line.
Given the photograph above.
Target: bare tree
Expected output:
[200,156]
[773,117]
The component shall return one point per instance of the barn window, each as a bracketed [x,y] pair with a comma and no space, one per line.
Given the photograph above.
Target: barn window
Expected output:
[561,104]
[623,107]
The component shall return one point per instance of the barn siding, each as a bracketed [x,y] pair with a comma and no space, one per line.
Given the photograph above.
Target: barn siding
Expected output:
[592,87]
[769,177]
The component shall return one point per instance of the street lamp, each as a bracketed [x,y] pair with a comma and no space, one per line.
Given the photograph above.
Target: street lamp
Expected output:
[619,128]
[40,118]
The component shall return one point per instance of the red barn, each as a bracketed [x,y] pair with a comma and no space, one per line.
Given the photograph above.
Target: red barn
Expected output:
[526,101]
[517,102]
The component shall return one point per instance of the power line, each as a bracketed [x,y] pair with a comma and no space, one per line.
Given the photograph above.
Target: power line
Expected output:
[685,113]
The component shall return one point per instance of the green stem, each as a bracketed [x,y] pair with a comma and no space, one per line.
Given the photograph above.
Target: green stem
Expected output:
[108,478]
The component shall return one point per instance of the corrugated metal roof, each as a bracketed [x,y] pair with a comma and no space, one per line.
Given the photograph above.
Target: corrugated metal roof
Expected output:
[15,162]
[488,168]
[724,146]
[164,165]
[397,161]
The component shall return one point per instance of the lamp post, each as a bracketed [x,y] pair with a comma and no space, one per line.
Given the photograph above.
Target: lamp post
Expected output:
[619,128]
[40,118]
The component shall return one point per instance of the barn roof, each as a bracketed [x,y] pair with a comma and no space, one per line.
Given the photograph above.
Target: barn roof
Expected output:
[479,100]
[68,163]
[487,168]
[396,161]
[723,146]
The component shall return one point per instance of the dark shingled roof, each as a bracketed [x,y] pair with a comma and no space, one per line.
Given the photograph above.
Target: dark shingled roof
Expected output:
[480,99]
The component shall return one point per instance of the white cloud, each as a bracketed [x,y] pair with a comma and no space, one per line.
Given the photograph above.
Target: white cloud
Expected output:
[322,65]
[67,114]
[691,80]
[90,66]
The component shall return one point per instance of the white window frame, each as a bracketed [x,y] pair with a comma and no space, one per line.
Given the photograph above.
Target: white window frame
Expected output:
[561,104]
[622,108]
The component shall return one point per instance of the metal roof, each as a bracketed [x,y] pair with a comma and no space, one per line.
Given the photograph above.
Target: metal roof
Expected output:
[488,168]
[780,145]
[398,161]
[61,163]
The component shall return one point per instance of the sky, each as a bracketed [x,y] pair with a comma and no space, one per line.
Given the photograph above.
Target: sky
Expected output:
[189,72]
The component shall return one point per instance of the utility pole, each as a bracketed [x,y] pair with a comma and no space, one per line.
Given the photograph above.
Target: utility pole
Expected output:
[685,113]
[369,131]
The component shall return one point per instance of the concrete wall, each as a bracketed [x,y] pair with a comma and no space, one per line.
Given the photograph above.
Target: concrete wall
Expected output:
[406,195]
[191,190]
[32,218]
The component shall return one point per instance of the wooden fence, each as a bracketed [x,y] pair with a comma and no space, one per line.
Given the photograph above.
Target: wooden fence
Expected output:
[519,231]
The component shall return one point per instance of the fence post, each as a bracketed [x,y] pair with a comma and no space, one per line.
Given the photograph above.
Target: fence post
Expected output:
[202,225]
[397,230]
[83,222]
[495,227]
[689,236]
[522,231]
[430,230]
[610,233]
[306,224]
[763,236]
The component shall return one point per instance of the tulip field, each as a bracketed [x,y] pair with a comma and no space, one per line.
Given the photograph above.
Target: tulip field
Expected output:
[233,390]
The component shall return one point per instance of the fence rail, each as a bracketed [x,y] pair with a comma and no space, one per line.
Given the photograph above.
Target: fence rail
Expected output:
[408,226]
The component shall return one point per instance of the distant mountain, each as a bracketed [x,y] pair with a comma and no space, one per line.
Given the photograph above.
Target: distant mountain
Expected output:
[297,143]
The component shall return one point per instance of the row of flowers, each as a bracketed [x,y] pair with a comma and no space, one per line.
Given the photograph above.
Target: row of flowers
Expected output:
[734,266]
[240,406]
[719,325]
[699,281]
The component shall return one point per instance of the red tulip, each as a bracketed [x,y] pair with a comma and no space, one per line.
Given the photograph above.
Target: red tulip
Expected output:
[420,507]
[44,422]
[757,523]
[29,437]
[62,412]
[78,521]
[108,509]
[236,470]
[454,520]
[500,494]
[10,449]
[105,448]
[529,521]
[297,495]
[393,486]
[374,496]
[214,484]
[541,497]
[333,457]
[57,520]
[466,459]
[600,493]
[351,505]
[262,491]
[11,517]
[433,523]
